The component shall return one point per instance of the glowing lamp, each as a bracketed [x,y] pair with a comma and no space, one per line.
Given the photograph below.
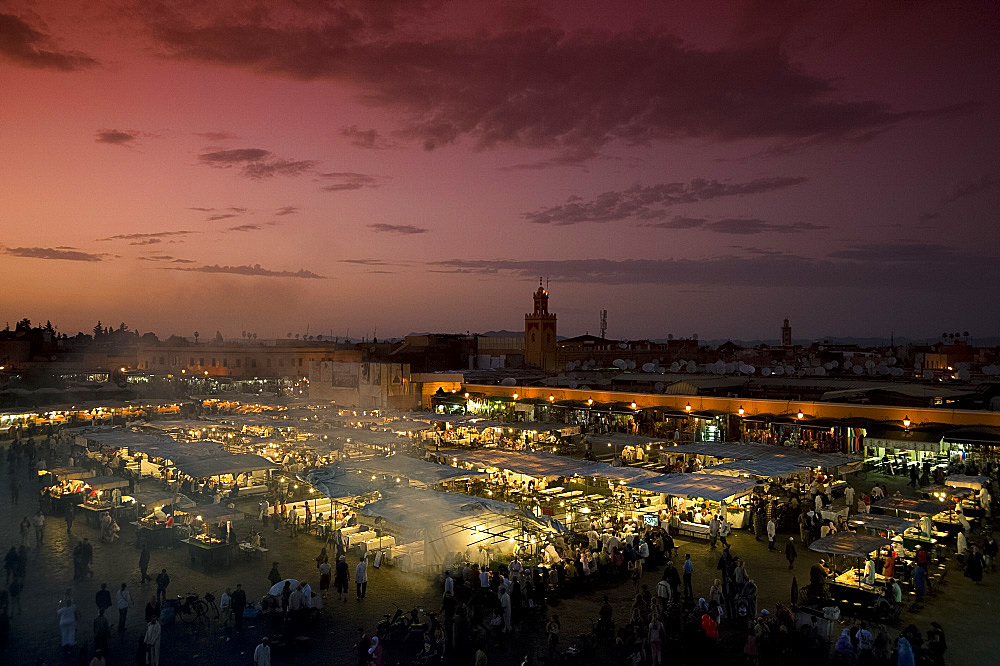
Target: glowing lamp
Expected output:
[741,411]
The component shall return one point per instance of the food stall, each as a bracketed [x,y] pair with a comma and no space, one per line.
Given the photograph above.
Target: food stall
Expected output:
[936,519]
[99,497]
[212,541]
[68,486]
[974,507]
[426,530]
[145,502]
[697,496]
[849,588]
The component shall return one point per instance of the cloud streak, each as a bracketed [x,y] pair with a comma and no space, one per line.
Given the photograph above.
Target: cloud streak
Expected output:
[23,45]
[369,138]
[253,271]
[342,181]
[405,229]
[256,163]
[116,137]
[971,188]
[59,254]
[140,236]
[647,202]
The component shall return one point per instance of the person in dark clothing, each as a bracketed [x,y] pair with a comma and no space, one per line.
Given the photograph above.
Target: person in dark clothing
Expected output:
[274,576]
[162,580]
[144,564]
[673,579]
[102,630]
[103,598]
[10,563]
[88,557]
[152,610]
[790,553]
[70,515]
[239,603]
[913,476]
[362,647]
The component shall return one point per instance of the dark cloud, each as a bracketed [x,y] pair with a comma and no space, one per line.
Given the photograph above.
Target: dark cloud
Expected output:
[677,222]
[347,180]
[26,46]
[972,187]
[758,270]
[645,202]
[529,83]
[256,163]
[51,253]
[216,136]
[397,229]
[199,208]
[158,234]
[255,270]
[369,138]
[116,137]
[287,210]
[246,227]
[748,227]
[148,241]
[907,252]
[367,262]
[167,258]
[221,216]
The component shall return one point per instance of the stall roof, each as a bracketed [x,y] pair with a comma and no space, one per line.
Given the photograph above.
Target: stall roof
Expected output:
[753,451]
[964,481]
[921,507]
[107,482]
[66,473]
[541,464]
[163,498]
[767,468]
[407,425]
[410,468]
[848,543]
[216,513]
[153,444]
[221,462]
[715,487]
[876,521]
[624,439]
[415,507]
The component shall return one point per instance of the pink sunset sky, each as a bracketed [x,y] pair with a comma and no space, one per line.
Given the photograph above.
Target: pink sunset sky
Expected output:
[692,167]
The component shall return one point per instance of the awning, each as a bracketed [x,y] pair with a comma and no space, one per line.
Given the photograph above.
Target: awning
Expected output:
[215,513]
[420,507]
[882,523]
[67,473]
[849,544]
[715,487]
[920,507]
[107,482]
[409,468]
[963,481]
[222,463]
[151,498]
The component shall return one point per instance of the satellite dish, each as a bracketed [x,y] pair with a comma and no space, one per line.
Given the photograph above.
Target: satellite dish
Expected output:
[789,370]
[891,360]
[675,367]
[730,368]
[780,370]
[869,364]
[572,384]
[622,345]
[658,387]
[569,365]
[508,381]
[964,374]
[618,363]
[648,367]
[631,365]
[691,366]
[896,372]
[820,371]
[847,365]
[765,372]
[751,369]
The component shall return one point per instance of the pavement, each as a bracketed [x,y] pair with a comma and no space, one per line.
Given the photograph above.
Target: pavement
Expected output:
[967,611]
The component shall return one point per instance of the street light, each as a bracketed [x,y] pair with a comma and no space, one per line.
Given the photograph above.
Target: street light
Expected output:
[906,421]
[741,411]
[466,395]
[687,407]
[515,396]
[590,401]
[800,415]
[552,398]
[633,405]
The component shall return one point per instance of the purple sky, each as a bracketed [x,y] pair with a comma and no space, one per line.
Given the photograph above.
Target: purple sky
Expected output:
[692,167]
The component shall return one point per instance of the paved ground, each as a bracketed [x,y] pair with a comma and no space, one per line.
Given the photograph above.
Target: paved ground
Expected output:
[967,611]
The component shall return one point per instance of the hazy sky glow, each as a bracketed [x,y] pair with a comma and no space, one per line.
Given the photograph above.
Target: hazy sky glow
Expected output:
[689,166]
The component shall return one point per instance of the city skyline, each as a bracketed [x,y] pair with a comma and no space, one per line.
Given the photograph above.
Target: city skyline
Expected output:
[399,167]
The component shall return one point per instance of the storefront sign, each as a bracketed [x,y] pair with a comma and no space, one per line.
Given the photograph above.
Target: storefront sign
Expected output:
[905,444]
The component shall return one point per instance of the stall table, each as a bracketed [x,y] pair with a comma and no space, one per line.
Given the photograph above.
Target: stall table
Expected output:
[693,530]
[92,512]
[207,551]
[155,535]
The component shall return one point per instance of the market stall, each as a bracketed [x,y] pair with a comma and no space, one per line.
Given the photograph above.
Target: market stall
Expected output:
[697,496]
[100,496]
[68,487]
[855,585]
[212,541]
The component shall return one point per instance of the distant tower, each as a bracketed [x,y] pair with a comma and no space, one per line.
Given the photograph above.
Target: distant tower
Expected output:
[540,333]
[604,323]
[786,334]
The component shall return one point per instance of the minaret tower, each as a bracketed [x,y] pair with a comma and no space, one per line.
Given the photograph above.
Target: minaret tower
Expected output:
[540,333]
